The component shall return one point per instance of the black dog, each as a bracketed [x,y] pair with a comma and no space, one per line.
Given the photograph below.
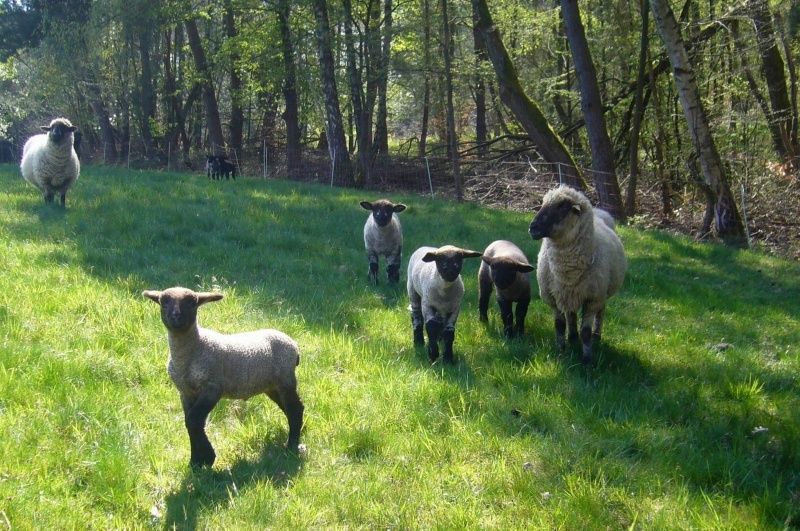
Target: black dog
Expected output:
[218,167]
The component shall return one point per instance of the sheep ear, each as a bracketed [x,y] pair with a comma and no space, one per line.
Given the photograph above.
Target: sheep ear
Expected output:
[366,205]
[524,268]
[577,209]
[205,297]
[72,129]
[44,127]
[429,257]
[487,259]
[152,295]
[466,253]
[399,207]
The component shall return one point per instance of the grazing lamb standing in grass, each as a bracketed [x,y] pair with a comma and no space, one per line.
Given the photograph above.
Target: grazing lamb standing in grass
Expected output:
[49,161]
[581,264]
[435,290]
[383,236]
[505,266]
[207,366]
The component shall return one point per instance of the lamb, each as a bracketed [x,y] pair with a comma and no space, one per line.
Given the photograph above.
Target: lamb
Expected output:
[581,264]
[217,167]
[435,290]
[49,161]
[505,266]
[383,236]
[206,366]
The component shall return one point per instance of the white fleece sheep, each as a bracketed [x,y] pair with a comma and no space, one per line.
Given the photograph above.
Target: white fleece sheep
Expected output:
[49,161]
[383,236]
[506,267]
[206,366]
[435,290]
[581,264]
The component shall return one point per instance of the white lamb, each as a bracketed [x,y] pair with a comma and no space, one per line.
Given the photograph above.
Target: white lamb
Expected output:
[49,161]
[435,290]
[383,236]
[207,366]
[581,264]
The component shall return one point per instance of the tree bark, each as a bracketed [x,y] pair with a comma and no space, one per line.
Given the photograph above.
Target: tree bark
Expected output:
[237,113]
[147,94]
[426,91]
[605,176]
[213,123]
[479,48]
[357,98]
[728,223]
[291,115]
[381,140]
[452,137]
[547,142]
[337,146]
[103,119]
[638,108]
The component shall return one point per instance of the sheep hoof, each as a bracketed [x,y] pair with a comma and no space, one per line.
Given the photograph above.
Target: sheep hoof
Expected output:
[484,318]
[419,338]
[586,359]
[203,460]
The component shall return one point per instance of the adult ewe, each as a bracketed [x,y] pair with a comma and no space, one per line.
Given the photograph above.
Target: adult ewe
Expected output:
[49,161]
[206,366]
[581,264]
[506,267]
[383,236]
[435,290]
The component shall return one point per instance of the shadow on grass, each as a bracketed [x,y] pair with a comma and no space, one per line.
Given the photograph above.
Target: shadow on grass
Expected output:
[204,489]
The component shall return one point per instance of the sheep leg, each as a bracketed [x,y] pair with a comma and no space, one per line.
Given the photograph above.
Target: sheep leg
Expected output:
[393,267]
[507,315]
[373,267]
[561,328]
[416,324]
[448,336]
[484,293]
[195,415]
[48,196]
[64,200]
[434,329]
[572,326]
[586,337]
[293,408]
[598,324]
[521,313]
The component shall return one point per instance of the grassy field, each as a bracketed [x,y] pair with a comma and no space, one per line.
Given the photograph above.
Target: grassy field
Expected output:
[669,431]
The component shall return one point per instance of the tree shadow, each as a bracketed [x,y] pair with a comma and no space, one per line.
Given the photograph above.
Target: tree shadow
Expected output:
[203,489]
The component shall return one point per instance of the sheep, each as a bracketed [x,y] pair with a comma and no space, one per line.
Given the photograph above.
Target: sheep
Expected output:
[383,235]
[435,290]
[581,264]
[206,366]
[49,161]
[211,168]
[224,168]
[504,265]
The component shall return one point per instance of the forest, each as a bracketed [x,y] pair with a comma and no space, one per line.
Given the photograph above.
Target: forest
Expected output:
[679,115]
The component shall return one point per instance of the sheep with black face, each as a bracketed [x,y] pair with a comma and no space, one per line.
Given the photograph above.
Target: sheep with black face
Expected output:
[49,161]
[505,267]
[581,264]
[435,291]
[383,236]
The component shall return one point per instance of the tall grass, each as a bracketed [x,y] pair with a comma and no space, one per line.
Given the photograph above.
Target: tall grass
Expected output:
[691,417]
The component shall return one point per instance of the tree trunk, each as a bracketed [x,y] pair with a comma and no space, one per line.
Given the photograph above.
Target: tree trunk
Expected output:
[381,140]
[638,108]
[605,176]
[337,146]
[547,142]
[103,120]
[237,113]
[147,95]
[727,220]
[479,48]
[213,123]
[452,137]
[426,91]
[772,68]
[360,113]
[291,115]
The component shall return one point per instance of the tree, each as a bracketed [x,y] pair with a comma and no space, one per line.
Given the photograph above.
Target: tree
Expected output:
[605,177]
[290,114]
[728,223]
[452,136]
[638,108]
[547,142]
[237,113]
[381,140]
[213,122]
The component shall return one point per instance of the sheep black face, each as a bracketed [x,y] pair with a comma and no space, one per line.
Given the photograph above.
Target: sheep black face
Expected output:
[449,261]
[550,221]
[179,306]
[504,271]
[382,210]
[58,130]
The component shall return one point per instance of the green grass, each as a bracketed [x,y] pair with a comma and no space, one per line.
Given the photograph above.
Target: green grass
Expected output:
[661,434]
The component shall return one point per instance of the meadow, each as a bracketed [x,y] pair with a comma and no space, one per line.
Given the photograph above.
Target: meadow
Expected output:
[690,418]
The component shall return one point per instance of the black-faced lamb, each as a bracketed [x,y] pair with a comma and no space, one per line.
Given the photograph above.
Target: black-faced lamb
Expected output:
[506,267]
[217,167]
[383,236]
[206,366]
[49,161]
[435,290]
[581,264]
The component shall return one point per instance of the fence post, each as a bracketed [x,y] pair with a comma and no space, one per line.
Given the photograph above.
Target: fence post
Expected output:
[744,214]
[266,170]
[333,167]
[560,177]
[428,169]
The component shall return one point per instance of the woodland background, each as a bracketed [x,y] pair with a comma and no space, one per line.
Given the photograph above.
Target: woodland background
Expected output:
[672,114]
